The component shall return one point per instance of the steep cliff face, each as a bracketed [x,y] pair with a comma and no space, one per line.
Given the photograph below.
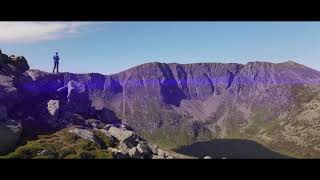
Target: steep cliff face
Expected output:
[158,95]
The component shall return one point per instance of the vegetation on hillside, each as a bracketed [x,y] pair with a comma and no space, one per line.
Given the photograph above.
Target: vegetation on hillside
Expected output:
[62,145]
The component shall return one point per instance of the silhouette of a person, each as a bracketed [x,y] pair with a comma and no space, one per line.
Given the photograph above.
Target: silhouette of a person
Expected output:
[56,59]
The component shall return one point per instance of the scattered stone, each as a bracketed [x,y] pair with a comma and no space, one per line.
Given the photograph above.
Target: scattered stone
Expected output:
[113,150]
[121,155]
[44,153]
[107,127]
[157,157]
[105,132]
[84,134]
[207,157]
[134,153]
[123,135]
[170,157]
[161,153]
[144,148]
[154,148]
[95,124]
[123,147]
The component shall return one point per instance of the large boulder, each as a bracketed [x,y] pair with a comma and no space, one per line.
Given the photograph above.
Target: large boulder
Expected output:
[56,114]
[8,92]
[77,97]
[84,134]
[144,148]
[125,136]
[13,66]
[134,153]
[39,85]
[18,64]
[89,135]
[10,132]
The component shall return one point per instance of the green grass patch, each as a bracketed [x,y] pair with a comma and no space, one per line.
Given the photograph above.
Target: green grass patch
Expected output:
[168,138]
[61,145]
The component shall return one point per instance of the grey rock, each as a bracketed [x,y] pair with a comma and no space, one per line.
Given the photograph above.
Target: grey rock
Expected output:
[134,153]
[144,148]
[154,148]
[53,107]
[113,150]
[78,97]
[123,135]
[105,132]
[10,132]
[170,157]
[207,157]
[157,157]
[44,153]
[96,124]
[13,66]
[161,153]
[121,155]
[84,133]
[123,147]
[20,64]
[8,92]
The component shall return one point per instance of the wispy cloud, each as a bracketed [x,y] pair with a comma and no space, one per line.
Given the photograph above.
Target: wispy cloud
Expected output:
[16,32]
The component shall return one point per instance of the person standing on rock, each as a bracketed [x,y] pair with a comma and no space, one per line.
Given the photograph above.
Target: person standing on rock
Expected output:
[56,59]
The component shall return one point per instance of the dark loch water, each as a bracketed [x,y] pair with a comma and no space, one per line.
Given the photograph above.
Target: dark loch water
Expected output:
[230,149]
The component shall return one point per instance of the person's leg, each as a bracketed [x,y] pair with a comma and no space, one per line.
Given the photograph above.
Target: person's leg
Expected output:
[57,67]
[54,67]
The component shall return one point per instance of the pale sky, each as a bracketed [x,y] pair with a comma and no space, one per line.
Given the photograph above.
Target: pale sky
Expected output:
[110,47]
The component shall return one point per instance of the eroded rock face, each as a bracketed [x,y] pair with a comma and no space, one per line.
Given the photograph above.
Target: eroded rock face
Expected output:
[13,66]
[8,92]
[10,132]
[18,64]
[77,97]
[159,95]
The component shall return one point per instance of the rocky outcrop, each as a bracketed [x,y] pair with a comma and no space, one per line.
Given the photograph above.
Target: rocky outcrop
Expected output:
[129,144]
[10,129]
[13,65]
[10,132]
[77,97]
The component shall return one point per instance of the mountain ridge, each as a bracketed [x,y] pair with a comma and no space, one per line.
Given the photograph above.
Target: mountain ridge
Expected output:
[176,104]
